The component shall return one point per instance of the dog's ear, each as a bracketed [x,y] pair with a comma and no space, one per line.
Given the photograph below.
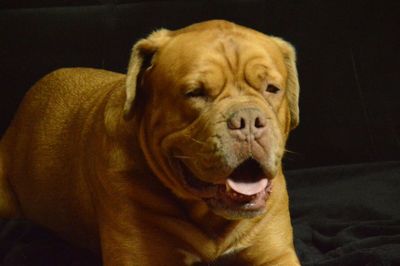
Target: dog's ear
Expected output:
[292,83]
[141,58]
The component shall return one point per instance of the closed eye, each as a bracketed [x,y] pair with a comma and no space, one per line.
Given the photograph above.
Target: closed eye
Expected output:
[196,93]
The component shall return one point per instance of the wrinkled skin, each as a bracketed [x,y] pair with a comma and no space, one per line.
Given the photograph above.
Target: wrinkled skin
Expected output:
[176,163]
[229,76]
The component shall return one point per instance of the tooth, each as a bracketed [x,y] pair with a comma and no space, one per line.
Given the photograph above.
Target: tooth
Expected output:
[227,187]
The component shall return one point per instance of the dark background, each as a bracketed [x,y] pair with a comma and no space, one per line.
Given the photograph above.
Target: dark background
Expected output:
[344,202]
[348,60]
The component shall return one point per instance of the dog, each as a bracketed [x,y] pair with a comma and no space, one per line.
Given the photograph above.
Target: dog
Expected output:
[178,162]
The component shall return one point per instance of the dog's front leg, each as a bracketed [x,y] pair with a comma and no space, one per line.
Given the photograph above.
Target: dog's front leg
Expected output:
[279,257]
[132,242]
[273,246]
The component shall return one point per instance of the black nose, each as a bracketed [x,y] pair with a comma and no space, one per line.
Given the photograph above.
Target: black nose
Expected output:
[247,122]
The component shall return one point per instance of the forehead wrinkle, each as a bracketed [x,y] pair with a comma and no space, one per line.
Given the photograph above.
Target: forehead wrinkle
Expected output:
[219,66]
[212,67]
[224,55]
[246,65]
[230,53]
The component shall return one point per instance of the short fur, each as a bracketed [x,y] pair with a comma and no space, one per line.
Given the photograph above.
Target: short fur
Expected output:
[95,156]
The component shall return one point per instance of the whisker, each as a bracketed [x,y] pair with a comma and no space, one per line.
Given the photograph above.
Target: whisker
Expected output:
[223,120]
[195,140]
[182,157]
[198,141]
[291,152]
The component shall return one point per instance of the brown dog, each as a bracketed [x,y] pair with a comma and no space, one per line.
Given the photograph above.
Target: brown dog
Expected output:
[178,162]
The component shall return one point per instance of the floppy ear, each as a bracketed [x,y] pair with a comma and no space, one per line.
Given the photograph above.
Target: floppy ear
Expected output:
[292,83]
[142,53]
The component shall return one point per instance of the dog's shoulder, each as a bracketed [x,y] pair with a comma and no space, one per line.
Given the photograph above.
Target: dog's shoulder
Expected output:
[79,78]
[72,85]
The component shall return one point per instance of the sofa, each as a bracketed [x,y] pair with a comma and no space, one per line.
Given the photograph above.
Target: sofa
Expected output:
[343,161]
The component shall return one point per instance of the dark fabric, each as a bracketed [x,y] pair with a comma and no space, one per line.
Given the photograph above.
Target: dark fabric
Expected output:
[342,215]
[23,243]
[347,215]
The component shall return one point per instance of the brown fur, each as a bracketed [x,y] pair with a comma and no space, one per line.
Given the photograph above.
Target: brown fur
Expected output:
[91,160]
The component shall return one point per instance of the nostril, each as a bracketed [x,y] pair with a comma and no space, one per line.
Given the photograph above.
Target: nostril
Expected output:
[237,123]
[259,123]
[246,124]
[242,123]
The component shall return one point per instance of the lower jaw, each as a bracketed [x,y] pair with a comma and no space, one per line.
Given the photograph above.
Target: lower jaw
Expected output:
[239,210]
[238,215]
[221,203]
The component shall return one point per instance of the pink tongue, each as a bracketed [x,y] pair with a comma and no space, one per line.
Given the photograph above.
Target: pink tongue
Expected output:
[247,188]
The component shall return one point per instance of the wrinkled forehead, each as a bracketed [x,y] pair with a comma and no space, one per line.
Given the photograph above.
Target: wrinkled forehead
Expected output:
[228,49]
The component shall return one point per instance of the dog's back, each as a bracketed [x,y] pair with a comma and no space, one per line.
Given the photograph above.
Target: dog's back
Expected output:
[36,146]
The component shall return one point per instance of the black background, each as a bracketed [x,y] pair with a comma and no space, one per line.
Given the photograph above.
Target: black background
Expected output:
[349,69]
[348,60]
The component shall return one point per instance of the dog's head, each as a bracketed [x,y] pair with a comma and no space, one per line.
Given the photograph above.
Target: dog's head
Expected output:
[216,102]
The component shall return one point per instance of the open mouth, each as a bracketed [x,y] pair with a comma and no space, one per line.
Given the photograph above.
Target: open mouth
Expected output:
[244,192]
